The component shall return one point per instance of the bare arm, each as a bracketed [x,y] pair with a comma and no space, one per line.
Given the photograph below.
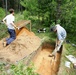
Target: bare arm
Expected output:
[14,25]
[4,22]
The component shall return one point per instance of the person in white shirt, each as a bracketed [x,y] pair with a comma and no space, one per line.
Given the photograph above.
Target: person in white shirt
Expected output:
[61,35]
[9,22]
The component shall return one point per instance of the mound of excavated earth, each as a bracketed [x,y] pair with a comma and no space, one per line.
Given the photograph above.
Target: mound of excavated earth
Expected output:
[26,42]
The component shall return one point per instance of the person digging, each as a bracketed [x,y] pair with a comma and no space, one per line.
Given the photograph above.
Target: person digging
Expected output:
[9,22]
[61,35]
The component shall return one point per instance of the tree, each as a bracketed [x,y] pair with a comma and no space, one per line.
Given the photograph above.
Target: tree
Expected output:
[30,8]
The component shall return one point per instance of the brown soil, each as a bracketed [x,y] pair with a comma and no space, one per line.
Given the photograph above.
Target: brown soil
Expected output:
[26,42]
[43,62]
[46,65]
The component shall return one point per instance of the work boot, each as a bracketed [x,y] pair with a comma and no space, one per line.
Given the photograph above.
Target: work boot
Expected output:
[51,55]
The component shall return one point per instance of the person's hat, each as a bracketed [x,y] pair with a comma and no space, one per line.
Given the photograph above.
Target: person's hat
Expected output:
[53,28]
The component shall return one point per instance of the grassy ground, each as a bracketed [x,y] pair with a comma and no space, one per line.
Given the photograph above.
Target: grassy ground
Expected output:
[67,50]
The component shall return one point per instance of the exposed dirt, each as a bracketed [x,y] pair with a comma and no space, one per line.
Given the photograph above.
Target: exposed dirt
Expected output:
[26,42]
[46,65]
[20,24]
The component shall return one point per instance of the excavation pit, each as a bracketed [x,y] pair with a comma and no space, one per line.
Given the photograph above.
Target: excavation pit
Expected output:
[44,64]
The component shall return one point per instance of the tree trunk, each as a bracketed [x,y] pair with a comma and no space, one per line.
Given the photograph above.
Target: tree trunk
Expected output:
[58,14]
[3,4]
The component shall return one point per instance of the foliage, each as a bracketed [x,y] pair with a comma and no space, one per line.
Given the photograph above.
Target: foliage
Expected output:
[19,69]
[46,12]
[26,15]
[19,16]
[2,13]
[39,8]
[68,15]
[3,31]
[30,6]
[51,11]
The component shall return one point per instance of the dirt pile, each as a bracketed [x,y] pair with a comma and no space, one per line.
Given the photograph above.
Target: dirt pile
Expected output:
[26,42]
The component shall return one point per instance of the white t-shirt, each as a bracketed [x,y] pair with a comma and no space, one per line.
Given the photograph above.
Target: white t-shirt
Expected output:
[9,19]
[61,32]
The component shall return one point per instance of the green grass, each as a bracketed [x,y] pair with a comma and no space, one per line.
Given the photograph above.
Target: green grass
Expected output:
[3,31]
[70,49]
[67,50]
[18,69]
[72,38]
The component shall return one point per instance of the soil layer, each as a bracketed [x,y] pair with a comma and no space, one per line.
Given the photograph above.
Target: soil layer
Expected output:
[46,65]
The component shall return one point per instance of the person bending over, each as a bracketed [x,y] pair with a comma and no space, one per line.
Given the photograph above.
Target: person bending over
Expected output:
[61,35]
